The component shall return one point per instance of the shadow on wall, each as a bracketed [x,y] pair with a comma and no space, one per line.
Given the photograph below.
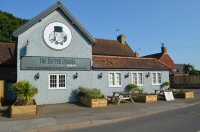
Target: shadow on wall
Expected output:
[126,89]
[23,50]
[73,96]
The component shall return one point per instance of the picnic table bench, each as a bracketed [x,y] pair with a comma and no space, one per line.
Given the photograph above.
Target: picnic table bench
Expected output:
[121,96]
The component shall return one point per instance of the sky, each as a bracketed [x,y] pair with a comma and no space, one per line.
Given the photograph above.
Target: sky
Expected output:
[147,23]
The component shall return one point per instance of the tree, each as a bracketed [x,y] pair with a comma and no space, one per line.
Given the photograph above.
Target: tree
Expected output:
[190,69]
[8,24]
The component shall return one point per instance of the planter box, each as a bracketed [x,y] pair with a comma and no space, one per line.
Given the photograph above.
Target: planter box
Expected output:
[185,95]
[94,102]
[19,111]
[144,98]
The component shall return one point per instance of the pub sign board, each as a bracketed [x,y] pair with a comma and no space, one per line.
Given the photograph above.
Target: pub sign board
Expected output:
[55,63]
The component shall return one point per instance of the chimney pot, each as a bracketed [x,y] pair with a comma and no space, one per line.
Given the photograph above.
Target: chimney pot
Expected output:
[137,55]
[163,49]
[122,39]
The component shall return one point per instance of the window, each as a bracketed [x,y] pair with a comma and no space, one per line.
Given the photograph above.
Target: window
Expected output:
[137,78]
[115,80]
[156,78]
[57,81]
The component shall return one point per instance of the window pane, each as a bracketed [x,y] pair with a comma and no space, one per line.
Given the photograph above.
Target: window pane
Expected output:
[53,81]
[62,81]
[118,79]
[154,78]
[134,78]
[140,80]
[111,79]
[159,77]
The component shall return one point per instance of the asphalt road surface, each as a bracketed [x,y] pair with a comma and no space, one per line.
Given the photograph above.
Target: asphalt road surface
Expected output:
[179,120]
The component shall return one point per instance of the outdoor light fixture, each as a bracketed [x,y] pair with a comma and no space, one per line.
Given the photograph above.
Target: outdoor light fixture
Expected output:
[127,75]
[76,76]
[37,76]
[100,75]
[148,75]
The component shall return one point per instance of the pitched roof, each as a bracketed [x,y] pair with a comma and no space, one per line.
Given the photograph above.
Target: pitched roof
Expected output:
[111,48]
[8,53]
[116,62]
[46,12]
[163,57]
[156,56]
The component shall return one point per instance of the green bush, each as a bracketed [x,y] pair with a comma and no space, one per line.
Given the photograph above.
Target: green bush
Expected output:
[25,91]
[165,84]
[134,87]
[92,93]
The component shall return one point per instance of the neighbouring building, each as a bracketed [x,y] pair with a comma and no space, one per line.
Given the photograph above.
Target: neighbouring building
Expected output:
[57,54]
[163,57]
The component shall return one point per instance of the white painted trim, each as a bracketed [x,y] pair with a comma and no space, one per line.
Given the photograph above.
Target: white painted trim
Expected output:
[115,86]
[137,78]
[57,81]
[156,84]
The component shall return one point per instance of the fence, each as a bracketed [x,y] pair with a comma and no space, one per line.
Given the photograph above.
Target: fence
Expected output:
[187,82]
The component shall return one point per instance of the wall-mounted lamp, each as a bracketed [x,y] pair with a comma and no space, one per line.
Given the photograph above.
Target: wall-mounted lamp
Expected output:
[37,76]
[148,75]
[100,75]
[75,75]
[126,75]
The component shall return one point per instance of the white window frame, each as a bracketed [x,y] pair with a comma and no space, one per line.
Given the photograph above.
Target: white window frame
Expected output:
[57,81]
[115,76]
[137,76]
[157,83]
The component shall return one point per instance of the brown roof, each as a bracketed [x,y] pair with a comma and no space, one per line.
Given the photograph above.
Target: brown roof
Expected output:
[163,57]
[7,53]
[156,56]
[111,48]
[116,62]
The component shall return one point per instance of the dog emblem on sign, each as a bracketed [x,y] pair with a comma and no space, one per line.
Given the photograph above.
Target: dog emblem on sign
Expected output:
[58,36]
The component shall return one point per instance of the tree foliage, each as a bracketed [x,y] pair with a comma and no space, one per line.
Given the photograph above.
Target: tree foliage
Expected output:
[190,69]
[8,24]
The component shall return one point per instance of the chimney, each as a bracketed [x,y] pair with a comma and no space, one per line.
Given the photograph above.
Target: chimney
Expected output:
[137,55]
[163,49]
[122,39]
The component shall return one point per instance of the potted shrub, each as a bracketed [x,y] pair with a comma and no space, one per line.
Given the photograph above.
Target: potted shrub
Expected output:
[139,96]
[183,94]
[134,88]
[24,104]
[91,97]
[165,85]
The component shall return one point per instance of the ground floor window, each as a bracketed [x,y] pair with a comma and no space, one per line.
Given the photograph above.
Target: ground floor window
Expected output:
[156,78]
[137,78]
[115,80]
[57,81]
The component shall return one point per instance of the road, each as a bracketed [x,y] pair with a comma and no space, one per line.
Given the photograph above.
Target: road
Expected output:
[179,120]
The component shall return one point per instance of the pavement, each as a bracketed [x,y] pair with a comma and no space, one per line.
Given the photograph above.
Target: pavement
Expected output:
[63,117]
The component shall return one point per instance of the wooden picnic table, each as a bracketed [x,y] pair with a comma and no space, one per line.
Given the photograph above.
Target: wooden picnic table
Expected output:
[121,96]
[159,91]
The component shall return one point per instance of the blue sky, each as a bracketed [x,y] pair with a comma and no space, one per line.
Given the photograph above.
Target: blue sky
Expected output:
[146,23]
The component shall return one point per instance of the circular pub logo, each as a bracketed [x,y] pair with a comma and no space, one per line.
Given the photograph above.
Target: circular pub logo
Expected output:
[57,36]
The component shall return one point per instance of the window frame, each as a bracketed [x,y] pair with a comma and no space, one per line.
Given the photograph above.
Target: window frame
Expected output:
[137,78]
[157,83]
[115,80]
[57,81]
